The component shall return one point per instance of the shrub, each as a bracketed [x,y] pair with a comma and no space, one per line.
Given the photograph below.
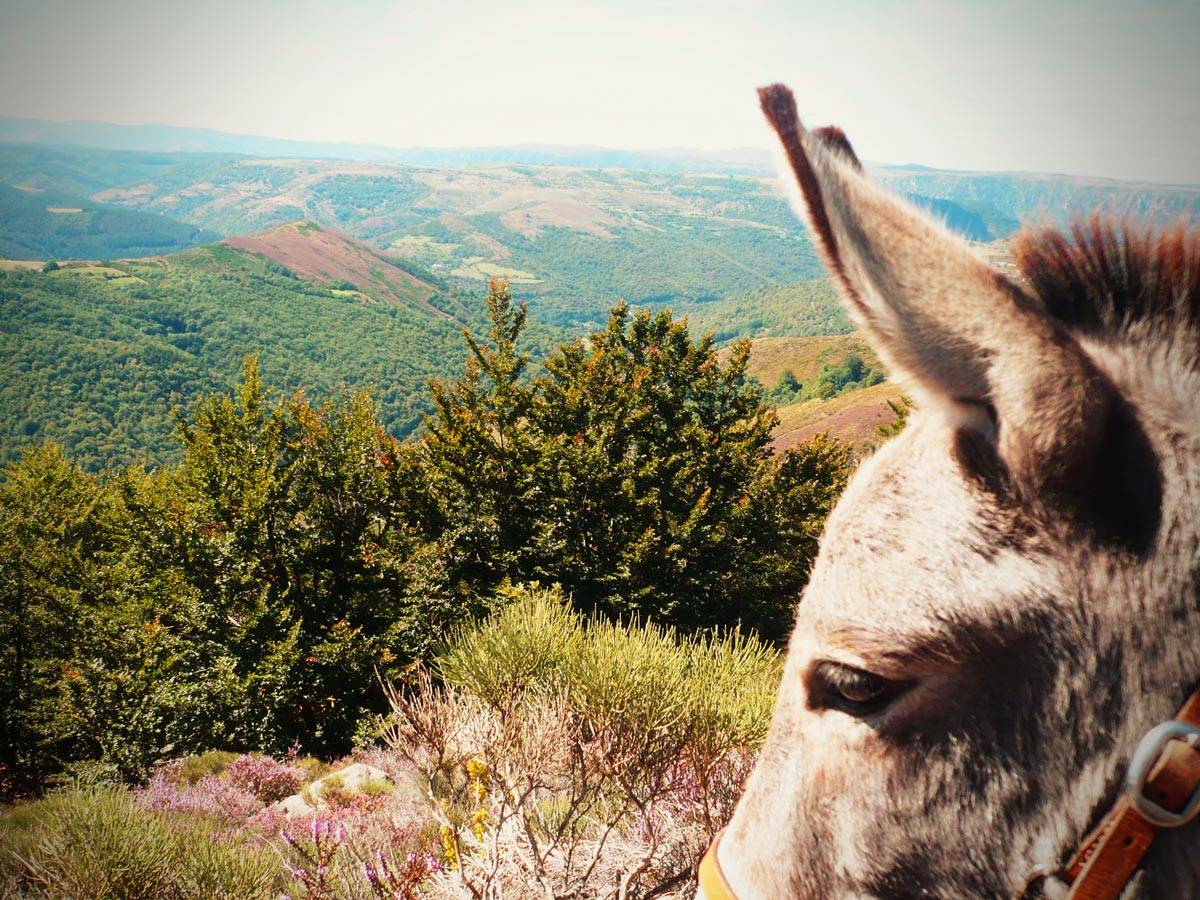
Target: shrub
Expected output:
[212,796]
[525,645]
[193,768]
[569,756]
[264,777]
[98,843]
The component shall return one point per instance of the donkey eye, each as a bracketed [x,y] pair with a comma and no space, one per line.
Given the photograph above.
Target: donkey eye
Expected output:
[836,686]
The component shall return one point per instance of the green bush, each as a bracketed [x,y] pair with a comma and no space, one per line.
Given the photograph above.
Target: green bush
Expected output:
[559,739]
[214,762]
[96,843]
[524,645]
[715,691]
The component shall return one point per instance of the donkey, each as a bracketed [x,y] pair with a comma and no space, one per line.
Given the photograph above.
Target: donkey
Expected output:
[1005,600]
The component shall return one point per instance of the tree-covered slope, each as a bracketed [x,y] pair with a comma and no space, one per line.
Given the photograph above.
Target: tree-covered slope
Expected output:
[48,224]
[572,241]
[794,310]
[96,357]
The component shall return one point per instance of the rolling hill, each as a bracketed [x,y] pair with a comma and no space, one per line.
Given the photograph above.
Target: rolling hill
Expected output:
[344,273]
[348,267]
[794,310]
[820,400]
[36,223]
[571,239]
[96,357]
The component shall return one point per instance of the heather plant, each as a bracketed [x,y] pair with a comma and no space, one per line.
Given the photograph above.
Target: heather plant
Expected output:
[356,851]
[214,796]
[400,879]
[313,859]
[267,779]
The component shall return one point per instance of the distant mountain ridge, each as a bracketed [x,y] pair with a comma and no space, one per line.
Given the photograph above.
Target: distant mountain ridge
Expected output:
[177,139]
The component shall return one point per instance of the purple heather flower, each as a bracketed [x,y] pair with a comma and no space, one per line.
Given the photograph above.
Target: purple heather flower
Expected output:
[384,867]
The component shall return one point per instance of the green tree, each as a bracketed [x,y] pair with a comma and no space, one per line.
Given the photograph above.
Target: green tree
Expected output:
[900,410]
[48,541]
[290,524]
[90,674]
[481,456]
[636,471]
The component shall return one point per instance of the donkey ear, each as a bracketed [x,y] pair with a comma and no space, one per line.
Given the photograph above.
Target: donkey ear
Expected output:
[966,341]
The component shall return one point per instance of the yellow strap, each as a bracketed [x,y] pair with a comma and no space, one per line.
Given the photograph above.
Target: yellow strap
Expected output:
[712,879]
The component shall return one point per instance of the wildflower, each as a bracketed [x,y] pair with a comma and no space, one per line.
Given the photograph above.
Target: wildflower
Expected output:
[384,867]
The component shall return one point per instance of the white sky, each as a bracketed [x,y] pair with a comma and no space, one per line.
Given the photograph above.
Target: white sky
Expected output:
[1092,87]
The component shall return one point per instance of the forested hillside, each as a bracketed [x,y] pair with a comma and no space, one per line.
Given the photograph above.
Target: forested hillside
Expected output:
[47,224]
[571,240]
[793,310]
[96,357]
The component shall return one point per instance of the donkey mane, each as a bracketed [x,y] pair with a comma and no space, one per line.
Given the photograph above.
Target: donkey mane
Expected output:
[1113,278]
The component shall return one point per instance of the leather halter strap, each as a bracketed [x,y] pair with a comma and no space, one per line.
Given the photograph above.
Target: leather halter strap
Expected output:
[1163,784]
[1169,782]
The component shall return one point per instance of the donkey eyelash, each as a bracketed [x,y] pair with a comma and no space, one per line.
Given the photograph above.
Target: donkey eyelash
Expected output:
[833,685]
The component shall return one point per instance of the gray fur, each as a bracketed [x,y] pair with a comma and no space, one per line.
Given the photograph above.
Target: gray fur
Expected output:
[1026,554]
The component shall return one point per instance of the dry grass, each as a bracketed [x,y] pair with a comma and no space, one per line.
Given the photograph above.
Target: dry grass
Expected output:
[770,357]
[850,417]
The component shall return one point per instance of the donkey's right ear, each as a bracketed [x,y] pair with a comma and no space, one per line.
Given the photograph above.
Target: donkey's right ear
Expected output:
[964,339]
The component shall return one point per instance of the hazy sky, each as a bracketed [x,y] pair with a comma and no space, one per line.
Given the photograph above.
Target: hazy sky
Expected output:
[1082,86]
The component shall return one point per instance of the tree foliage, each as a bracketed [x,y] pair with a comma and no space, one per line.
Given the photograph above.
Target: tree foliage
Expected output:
[248,598]
[252,595]
[635,471]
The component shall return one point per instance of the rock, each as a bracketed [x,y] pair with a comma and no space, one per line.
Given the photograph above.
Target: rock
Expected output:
[294,805]
[344,781]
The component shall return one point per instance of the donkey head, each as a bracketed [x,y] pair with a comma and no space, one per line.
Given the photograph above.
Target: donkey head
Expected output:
[1005,598]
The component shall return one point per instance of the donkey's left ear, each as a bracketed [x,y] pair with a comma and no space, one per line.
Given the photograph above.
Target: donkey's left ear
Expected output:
[965,339]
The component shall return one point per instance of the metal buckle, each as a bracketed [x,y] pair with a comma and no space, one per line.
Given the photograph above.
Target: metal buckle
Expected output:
[1144,758]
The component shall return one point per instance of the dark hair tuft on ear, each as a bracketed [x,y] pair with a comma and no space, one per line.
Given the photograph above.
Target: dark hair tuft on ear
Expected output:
[833,138]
